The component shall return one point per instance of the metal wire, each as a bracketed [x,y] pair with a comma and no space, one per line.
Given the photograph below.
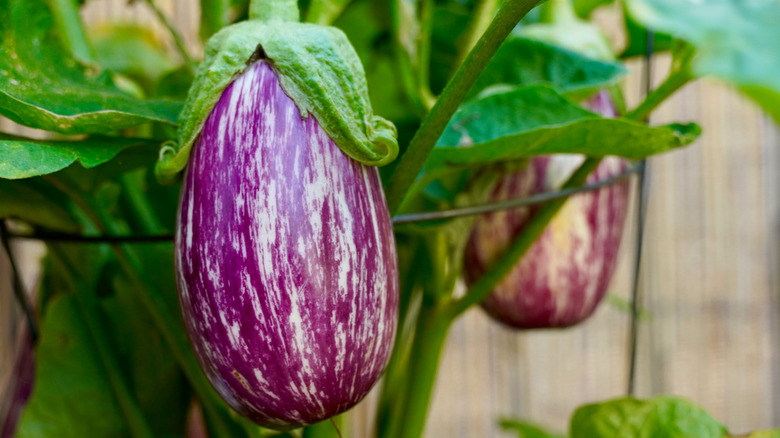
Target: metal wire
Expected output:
[643,189]
[49,236]
[16,283]
[512,203]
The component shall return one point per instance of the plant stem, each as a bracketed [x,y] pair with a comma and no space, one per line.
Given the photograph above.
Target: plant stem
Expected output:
[422,143]
[89,308]
[522,242]
[433,324]
[424,54]
[66,15]
[213,16]
[558,11]
[269,11]
[407,37]
[177,39]
[325,12]
[679,75]
[482,16]
[393,383]
[163,317]
[672,83]
[139,203]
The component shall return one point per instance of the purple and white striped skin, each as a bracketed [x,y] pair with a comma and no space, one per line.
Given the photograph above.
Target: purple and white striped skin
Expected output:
[285,258]
[565,274]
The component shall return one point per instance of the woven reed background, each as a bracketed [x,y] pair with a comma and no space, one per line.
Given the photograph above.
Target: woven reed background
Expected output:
[710,280]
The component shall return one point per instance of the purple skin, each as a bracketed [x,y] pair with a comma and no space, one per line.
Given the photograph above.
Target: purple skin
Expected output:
[565,274]
[285,259]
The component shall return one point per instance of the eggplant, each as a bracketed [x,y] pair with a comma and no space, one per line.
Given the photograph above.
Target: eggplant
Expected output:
[285,257]
[564,275]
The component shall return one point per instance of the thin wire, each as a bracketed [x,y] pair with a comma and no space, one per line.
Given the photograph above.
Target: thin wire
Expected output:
[50,236]
[18,287]
[643,192]
[512,203]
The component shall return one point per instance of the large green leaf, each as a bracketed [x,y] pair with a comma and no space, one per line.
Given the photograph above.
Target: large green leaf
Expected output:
[526,430]
[763,434]
[24,158]
[43,86]
[736,40]
[536,120]
[522,61]
[72,395]
[154,375]
[667,417]
[35,202]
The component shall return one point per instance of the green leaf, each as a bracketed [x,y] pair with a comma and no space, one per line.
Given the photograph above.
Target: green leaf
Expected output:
[43,86]
[317,67]
[154,376]
[72,396]
[24,157]
[522,61]
[366,27]
[526,430]
[735,40]
[36,202]
[760,434]
[132,50]
[668,417]
[536,120]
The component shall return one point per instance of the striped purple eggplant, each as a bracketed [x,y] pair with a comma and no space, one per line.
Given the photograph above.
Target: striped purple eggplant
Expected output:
[565,274]
[285,257]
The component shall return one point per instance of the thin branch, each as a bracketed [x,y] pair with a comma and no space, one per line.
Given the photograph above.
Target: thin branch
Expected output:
[18,287]
[412,161]
[177,39]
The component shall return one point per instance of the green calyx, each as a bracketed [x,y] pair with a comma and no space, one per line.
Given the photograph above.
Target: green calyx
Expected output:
[317,67]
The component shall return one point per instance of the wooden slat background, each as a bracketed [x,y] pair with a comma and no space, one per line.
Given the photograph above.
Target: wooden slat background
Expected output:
[710,281]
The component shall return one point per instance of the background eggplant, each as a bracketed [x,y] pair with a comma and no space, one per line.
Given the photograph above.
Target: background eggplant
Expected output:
[565,274]
[285,258]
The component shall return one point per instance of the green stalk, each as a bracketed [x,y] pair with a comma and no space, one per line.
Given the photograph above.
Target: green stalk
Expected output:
[325,12]
[139,203]
[424,54]
[330,428]
[393,383]
[676,80]
[482,17]
[274,11]
[520,245]
[406,49]
[679,75]
[559,11]
[163,317]
[213,16]
[433,324]
[66,17]
[412,161]
[177,39]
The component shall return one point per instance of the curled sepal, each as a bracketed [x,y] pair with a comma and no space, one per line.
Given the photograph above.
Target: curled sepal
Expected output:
[317,68]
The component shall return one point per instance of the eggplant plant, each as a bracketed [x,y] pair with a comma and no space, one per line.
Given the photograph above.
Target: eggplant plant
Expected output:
[269,229]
